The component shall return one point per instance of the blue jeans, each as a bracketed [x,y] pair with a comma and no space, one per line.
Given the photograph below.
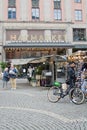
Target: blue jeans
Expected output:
[84,86]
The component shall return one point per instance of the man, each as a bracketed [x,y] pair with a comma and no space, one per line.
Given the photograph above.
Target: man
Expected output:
[71,75]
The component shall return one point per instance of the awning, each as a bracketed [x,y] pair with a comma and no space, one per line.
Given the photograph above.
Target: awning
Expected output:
[21,61]
[38,44]
[56,58]
[81,46]
[79,53]
[38,60]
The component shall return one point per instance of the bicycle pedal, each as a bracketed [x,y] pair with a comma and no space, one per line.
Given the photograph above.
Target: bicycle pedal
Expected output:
[62,96]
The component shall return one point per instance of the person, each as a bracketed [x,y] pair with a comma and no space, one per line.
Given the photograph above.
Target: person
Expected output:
[71,76]
[84,83]
[29,73]
[5,77]
[13,74]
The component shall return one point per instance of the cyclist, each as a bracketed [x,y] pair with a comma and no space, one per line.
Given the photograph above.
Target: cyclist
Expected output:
[71,77]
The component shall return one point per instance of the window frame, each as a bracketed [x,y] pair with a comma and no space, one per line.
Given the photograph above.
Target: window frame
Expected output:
[57,14]
[78,15]
[35,10]
[12,10]
[79,34]
[37,13]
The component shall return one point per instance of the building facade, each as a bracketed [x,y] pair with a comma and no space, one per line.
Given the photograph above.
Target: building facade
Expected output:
[33,28]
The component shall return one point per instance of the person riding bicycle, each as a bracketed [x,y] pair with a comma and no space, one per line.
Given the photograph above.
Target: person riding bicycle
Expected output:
[71,77]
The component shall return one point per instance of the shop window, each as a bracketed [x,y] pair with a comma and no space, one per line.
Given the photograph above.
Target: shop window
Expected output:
[79,34]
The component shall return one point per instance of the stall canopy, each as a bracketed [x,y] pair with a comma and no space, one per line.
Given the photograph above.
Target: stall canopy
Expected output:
[45,58]
[21,61]
[38,60]
[79,53]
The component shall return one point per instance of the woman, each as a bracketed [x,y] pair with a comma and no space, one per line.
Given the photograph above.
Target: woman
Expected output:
[13,74]
[5,77]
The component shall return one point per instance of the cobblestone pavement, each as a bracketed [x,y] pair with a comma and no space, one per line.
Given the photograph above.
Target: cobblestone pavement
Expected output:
[27,108]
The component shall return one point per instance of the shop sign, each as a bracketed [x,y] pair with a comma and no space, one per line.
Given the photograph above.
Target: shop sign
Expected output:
[34,37]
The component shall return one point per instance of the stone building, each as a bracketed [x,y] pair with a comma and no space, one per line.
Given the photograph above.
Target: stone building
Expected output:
[33,28]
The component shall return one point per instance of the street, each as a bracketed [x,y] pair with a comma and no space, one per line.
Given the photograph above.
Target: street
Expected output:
[27,108]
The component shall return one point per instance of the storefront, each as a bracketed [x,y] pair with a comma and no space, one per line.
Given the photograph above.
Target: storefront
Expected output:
[26,45]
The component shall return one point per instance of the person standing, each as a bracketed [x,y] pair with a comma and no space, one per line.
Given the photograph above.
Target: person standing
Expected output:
[13,75]
[29,74]
[5,77]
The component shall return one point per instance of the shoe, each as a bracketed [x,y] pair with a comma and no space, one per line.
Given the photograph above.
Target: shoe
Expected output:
[74,100]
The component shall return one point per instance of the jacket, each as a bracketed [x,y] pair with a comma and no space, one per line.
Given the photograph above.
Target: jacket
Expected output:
[6,76]
[13,73]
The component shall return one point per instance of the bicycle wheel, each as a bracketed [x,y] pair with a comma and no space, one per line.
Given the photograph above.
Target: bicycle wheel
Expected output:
[76,95]
[54,94]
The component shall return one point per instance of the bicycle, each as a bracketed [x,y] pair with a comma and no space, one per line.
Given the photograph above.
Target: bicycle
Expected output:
[56,92]
[75,94]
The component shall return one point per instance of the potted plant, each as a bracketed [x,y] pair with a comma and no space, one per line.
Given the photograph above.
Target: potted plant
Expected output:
[33,82]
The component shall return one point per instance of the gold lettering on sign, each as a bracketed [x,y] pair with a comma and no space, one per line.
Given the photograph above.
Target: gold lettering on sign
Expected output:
[13,37]
[24,38]
[59,37]
[19,38]
[33,38]
[53,37]
[47,38]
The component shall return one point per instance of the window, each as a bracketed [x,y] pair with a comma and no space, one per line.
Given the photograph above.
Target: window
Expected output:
[11,3]
[57,4]
[35,3]
[77,1]
[35,13]
[57,9]
[78,15]
[11,9]
[79,34]
[35,9]
[11,13]
[57,14]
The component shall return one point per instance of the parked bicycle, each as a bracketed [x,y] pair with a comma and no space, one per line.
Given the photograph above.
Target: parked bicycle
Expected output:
[57,91]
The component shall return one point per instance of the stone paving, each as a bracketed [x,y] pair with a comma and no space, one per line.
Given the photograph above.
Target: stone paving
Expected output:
[27,108]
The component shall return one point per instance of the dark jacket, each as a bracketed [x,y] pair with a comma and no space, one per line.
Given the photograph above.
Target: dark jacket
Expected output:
[71,74]
[6,76]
